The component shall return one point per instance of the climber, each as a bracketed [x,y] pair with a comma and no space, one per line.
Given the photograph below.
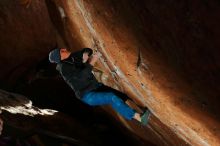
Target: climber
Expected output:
[76,70]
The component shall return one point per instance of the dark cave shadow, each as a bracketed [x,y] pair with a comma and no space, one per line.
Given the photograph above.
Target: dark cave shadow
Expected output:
[46,89]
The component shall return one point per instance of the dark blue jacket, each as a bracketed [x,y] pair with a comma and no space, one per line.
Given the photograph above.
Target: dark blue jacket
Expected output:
[78,75]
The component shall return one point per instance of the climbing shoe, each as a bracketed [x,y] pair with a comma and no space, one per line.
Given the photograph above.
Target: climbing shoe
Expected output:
[145,117]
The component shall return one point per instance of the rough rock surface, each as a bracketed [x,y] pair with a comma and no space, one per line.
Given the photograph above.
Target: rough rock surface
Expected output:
[163,54]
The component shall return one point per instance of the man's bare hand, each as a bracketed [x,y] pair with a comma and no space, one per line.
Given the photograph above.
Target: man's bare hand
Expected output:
[94,58]
[85,57]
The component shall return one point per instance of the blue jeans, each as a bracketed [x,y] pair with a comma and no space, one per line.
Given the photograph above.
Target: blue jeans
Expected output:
[108,98]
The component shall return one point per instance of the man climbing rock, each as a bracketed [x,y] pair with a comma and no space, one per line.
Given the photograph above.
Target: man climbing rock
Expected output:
[76,70]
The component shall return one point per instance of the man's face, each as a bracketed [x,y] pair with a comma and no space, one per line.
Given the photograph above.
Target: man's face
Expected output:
[64,53]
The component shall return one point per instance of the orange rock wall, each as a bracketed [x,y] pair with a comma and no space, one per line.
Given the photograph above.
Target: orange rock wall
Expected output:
[152,51]
[163,54]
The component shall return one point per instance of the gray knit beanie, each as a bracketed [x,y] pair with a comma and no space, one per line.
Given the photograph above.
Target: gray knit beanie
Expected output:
[54,56]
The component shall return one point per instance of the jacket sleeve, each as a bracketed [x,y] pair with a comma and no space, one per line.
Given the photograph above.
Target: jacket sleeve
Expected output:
[87,70]
[78,57]
[88,50]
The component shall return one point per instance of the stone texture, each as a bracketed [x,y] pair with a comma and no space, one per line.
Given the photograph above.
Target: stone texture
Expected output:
[164,54]
[152,51]
[26,36]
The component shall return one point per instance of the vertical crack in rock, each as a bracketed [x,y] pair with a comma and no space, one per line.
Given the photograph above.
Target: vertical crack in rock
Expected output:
[140,64]
[139,60]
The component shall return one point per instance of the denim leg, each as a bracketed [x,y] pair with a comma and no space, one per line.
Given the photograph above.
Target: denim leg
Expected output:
[108,98]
